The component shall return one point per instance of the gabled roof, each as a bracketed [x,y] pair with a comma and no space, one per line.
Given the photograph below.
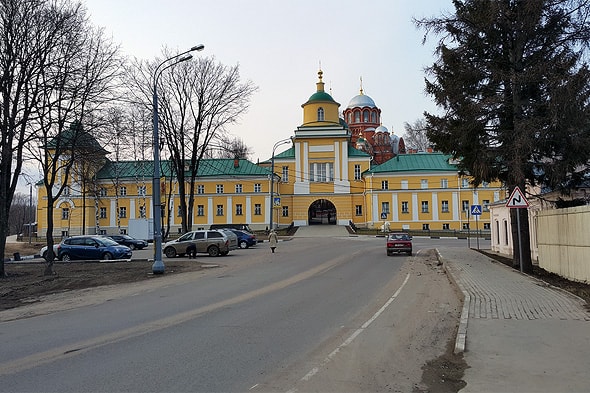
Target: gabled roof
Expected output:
[420,162]
[215,167]
[290,153]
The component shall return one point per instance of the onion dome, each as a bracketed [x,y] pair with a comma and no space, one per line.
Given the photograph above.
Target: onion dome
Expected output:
[382,129]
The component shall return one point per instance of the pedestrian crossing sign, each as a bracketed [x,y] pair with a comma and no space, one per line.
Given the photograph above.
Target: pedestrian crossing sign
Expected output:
[476,210]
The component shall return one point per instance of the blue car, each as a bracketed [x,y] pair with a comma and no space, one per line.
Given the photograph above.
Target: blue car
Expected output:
[245,239]
[91,248]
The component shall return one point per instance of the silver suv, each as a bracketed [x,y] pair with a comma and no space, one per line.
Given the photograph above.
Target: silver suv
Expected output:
[212,242]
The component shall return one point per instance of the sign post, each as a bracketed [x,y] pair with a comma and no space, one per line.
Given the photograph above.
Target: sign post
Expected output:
[476,211]
[517,200]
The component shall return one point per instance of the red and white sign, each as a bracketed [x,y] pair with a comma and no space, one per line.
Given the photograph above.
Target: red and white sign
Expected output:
[517,199]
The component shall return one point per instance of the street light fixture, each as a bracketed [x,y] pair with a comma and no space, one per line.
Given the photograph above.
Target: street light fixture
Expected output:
[158,266]
[272,175]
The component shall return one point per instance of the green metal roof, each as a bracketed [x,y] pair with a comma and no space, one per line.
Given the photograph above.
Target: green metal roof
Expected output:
[290,153]
[320,96]
[420,162]
[216,167]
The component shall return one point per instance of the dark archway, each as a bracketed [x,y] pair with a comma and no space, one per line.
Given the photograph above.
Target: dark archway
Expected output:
[322,212]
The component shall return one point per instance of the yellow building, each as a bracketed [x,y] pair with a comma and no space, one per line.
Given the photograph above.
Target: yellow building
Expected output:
[322,178]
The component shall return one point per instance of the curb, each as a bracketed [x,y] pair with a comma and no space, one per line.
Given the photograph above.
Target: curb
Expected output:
[461,337]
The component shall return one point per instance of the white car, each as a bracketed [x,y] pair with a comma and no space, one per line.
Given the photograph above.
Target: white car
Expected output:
[43,251]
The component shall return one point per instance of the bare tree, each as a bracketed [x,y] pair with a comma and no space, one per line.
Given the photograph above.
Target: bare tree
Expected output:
[22,214]
[74,83]
[232,148]
[415,136]
[198,101]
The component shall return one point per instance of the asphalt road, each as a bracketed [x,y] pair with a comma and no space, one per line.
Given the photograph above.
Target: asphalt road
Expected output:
[229,329]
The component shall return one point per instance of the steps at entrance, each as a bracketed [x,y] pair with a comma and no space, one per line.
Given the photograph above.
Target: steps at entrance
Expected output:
[321,231]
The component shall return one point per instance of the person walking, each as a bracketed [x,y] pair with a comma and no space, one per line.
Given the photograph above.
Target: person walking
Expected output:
[273,239]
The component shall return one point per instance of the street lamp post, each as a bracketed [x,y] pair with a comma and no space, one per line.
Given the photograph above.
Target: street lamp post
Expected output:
[158,266]
[272,175]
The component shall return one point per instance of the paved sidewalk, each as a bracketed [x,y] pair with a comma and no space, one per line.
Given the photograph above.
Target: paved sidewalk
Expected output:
[518,334]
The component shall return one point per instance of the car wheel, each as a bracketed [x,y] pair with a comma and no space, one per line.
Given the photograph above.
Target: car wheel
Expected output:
[132,246]
[243,244]
[213,251]
[388,253]
[66,257]
[107,256]
[170,252]
[44,256]
[410,253]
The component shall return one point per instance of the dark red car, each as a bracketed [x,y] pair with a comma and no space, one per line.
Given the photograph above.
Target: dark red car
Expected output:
[399,242]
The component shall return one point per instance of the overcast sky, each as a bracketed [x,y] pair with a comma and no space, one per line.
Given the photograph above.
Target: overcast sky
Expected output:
[279,46]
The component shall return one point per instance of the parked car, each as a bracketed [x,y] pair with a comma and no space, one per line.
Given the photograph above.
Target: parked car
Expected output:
[233,238]
[241,227]
[212,242]
[245,239]
[399,242]
[91,248]
[131,242]
[43,251]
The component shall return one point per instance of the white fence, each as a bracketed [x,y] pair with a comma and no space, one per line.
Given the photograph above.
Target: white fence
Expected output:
[563,238]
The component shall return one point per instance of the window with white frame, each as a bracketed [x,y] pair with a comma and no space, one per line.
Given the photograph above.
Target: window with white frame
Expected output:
[238,209]
[446,227]
[465,225]
[122,212]
[425,227]
[404,184]
[320,114]
[285,174]
[424,206]
[65,213]
[285,211]
[102,212]
[358,210]
[257,209]
[424,184]
[321,172]
[200,210]
[219,188]
[486,205]
[464,183]
[385,207]
[465,205]
[102,192]
[123,191]
[444,206]
[357,172]
[141,191]
[67,191]
[200,188]
[220,210]
[444,183]
[238,188]
[384,184]
[257,187]
[405,207]
[142,211]
[486,226]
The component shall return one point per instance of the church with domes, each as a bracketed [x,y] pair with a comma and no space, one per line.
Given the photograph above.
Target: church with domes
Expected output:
[341,168]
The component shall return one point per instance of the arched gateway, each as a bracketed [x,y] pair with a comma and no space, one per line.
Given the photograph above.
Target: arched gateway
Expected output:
[322,212]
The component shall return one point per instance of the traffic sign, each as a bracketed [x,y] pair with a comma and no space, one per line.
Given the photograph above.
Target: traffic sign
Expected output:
[476,210]
[517,199]
[276,202]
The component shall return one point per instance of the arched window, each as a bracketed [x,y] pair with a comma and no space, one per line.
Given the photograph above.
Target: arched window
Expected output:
[366,116]
[357,117]
[320,114]
[373,117]
[349,117]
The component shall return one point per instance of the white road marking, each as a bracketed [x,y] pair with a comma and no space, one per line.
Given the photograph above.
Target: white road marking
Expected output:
[354,335]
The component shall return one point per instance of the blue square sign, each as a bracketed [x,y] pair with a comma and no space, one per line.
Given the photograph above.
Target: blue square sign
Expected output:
[476,210]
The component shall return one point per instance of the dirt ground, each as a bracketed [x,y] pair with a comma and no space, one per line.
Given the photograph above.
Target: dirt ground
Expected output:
[24,283]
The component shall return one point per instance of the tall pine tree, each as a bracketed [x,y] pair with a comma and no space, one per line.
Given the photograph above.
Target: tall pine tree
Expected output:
[513,84]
